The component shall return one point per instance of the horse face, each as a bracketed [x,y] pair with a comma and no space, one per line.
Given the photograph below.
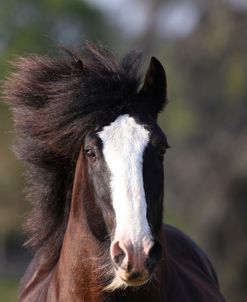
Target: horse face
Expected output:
[126,169]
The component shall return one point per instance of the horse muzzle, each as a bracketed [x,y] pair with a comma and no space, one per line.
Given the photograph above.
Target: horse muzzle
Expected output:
[135,263]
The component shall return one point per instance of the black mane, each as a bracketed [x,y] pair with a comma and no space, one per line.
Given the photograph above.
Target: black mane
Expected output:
[56,101]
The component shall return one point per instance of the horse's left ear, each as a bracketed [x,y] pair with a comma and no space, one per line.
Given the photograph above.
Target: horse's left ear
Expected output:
[154,88]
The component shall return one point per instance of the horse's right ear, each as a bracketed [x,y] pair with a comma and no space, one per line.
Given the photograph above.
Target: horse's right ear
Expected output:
[77,67]
[154,89]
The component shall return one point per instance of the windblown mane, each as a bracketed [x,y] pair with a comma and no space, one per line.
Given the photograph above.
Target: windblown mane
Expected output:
[56,101]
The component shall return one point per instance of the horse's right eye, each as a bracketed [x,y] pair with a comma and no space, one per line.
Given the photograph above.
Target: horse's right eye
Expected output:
[90,153]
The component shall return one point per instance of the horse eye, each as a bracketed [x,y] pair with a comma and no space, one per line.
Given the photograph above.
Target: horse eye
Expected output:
[90,153]
[162,150]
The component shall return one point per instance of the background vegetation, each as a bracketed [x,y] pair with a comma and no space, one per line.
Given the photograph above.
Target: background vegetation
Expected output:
[203,45]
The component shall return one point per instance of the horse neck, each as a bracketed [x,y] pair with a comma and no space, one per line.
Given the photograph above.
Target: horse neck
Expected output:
[76,276]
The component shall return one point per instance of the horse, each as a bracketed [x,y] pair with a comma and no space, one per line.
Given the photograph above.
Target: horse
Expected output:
[93,152]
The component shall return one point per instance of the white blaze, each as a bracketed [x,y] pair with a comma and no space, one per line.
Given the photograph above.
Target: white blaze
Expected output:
[124,142]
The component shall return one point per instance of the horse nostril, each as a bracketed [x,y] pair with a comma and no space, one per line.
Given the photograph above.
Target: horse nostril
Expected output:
[154,256]
[118,254]
[119,258]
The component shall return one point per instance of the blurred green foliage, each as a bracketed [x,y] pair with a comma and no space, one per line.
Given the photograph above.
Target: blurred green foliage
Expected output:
[8,289]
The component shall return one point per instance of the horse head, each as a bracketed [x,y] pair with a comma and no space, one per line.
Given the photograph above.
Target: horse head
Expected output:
[124,161]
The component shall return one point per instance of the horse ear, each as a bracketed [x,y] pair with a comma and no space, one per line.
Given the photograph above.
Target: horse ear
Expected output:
[154,88]
[77,67]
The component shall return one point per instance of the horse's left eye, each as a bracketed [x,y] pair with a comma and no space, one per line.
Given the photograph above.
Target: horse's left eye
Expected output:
[162,150]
